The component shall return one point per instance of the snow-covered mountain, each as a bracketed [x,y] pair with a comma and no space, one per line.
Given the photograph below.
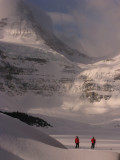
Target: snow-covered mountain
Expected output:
[19,23]
[98,85]
[37,69]
[39,73]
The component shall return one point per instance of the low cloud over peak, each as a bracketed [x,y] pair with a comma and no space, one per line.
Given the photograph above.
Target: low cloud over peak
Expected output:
[92,24]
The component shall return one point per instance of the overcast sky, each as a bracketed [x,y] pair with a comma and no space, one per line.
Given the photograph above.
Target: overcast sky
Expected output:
[92,24]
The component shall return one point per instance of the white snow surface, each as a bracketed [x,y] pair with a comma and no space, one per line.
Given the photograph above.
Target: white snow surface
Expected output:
[21,142]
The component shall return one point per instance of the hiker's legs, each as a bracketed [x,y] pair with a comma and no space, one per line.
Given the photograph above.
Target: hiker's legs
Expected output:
[92,146]
[77,145]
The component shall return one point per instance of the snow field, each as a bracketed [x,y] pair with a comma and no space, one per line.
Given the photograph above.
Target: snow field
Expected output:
[19,141]
[85,143]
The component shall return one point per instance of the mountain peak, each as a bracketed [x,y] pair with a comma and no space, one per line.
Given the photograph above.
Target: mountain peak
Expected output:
[18,20]
[23,22]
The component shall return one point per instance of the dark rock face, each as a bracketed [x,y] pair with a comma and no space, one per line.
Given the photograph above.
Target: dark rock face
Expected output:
[93,91]
[22,73]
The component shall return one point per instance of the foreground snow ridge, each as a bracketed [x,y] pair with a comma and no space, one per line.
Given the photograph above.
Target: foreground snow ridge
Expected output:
[19,141]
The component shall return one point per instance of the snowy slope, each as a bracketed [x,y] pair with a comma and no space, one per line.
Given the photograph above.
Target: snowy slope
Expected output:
[32,77]
[21,142]
[96,89]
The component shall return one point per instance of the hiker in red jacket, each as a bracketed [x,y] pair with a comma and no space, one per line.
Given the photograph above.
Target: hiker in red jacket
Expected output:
[93,141]
[77,142]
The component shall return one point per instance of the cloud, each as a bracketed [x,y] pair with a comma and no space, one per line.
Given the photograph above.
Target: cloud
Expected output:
[93,23]
[59,18]
[40,16]
[100,27]
[66,29]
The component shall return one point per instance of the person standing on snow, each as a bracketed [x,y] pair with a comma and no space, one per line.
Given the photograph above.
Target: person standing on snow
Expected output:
[77,142]
[93,141]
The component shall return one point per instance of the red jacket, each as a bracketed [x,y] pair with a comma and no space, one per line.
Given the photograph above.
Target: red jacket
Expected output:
[76,140]
[93,140]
